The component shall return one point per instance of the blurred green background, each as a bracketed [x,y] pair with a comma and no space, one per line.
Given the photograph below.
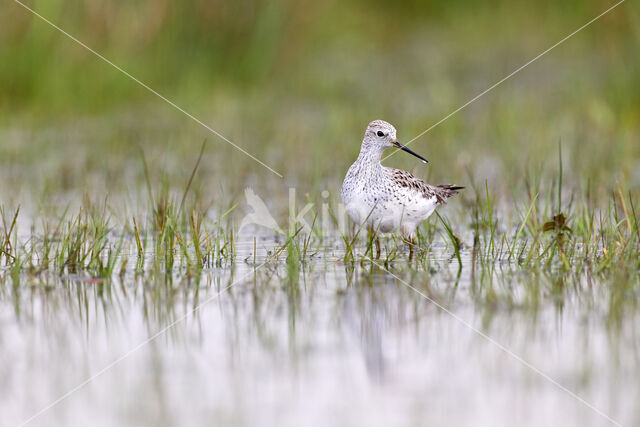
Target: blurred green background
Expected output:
[296,82]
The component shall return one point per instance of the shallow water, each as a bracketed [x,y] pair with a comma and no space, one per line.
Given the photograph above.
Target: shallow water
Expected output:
[328,344]
[321,342]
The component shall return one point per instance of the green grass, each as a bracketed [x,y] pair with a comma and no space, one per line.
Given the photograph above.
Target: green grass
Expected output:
[602,241]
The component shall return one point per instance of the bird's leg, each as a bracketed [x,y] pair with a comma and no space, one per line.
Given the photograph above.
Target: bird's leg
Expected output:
[377,247]
[409,240]
[410,249]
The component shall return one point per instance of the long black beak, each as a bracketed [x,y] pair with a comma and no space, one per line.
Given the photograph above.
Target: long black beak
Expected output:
[404,148]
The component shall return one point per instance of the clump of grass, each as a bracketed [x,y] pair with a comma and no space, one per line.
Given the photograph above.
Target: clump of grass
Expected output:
[454,241]
[7,249]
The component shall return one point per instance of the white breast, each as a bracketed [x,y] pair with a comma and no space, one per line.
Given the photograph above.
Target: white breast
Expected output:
[403,211]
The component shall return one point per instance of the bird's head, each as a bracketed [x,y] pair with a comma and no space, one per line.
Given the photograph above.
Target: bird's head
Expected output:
[381,135]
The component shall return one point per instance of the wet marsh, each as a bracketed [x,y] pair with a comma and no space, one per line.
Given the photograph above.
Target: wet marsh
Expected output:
[136,290]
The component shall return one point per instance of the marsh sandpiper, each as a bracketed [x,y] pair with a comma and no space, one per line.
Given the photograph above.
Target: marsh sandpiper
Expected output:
[386,199]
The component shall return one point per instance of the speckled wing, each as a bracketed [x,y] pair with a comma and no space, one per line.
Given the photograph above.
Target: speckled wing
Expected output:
[441,192]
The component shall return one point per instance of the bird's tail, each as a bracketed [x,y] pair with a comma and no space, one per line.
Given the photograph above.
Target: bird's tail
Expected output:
[447,190]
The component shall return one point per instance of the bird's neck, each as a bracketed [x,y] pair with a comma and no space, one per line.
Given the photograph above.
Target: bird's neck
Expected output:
[367,166]
[370,156]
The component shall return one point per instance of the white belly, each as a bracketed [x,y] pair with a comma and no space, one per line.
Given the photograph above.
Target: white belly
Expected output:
[391,215]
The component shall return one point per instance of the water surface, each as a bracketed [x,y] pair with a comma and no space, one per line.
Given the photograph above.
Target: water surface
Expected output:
[327,343]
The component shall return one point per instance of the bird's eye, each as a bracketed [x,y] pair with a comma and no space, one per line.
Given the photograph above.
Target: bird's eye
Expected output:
[380,133]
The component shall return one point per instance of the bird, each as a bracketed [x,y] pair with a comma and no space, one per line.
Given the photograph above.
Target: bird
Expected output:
[389,200]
